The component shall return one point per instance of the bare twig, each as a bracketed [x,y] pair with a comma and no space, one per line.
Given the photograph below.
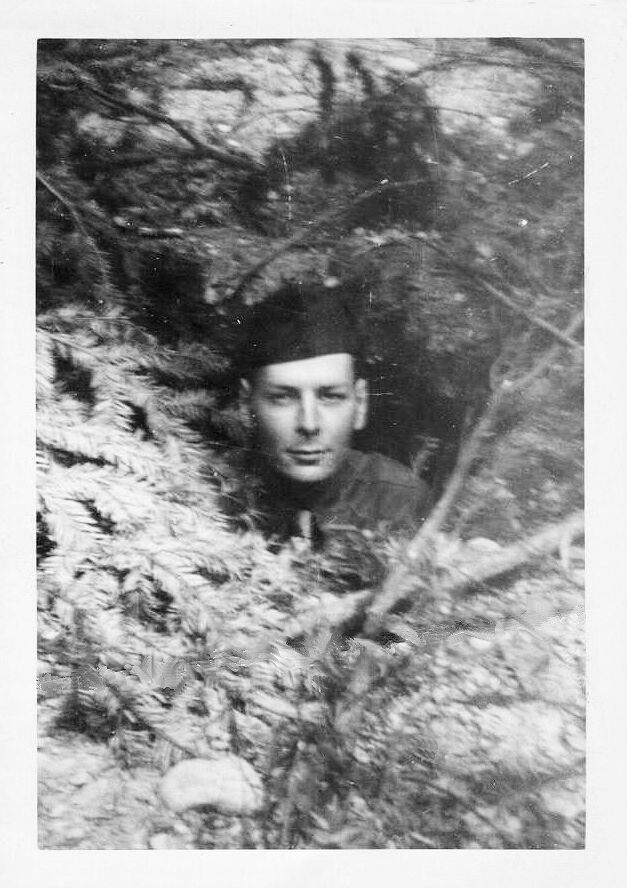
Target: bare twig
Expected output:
[532,318]
[542,543]
[146,231]
[395,584]
[457,60]
[539,49]
[271,113]
[484,427]
[69,206]
[140,159]
[206,84]
[545,541]
[497,294]
[239,161]
[290,797]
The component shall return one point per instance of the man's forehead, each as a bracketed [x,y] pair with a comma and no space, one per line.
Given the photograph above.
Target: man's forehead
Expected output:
[322,370]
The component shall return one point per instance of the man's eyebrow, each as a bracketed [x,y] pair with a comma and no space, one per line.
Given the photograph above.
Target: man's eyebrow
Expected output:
[279,387]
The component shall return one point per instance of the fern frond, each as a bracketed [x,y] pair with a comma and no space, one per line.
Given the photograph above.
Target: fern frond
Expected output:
[127,502]
[102,443]
[196,361]
[71,525]
[42,465]
[60,567]
[62,411]
[106,628]
[78,350]
[44,369]
[192,404]
[178,576]
[92,590]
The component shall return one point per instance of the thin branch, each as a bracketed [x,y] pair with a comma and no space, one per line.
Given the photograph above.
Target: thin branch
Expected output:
[69,206]
[464,111]
[206,84]
[395,584]
[67,203]
[130,227]
[454,61]
[539,49]
[305,233]
[271,114]
[484,427]
[138,159]
[542,543]
[234,160]
[501,297]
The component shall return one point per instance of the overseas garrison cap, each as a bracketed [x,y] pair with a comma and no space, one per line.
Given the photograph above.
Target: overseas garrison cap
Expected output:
[300,321]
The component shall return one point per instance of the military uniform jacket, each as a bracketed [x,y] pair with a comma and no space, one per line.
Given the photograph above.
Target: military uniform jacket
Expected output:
[369,491]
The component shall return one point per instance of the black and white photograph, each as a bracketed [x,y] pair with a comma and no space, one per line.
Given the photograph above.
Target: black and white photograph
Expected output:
[310,452]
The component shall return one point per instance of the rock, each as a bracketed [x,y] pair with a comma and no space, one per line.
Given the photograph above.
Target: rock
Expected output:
[226,783]
[58,810]
[439,695]
[483,544]
[141,790]
[164,842]
[137,842]
[51,766]
[361,755]
[400,65]
[75,833]
[274,705]
[95,795]
[313,713]
[480,644]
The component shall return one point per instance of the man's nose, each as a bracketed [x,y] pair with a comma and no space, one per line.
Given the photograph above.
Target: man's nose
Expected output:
[308,419]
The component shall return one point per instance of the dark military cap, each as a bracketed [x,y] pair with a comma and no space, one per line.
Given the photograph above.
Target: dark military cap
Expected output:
[299,321]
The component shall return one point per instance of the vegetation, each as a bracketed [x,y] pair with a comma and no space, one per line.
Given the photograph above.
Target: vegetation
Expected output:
[389,694]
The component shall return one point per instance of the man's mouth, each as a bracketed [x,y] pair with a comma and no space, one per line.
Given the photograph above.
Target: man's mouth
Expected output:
[307,455]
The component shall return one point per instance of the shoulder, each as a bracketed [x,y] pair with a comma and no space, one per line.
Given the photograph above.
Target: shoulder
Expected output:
[382,468]
[374,468]
[397,494]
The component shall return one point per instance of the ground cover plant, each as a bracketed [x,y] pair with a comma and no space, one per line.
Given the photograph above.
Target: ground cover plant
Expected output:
[202,689]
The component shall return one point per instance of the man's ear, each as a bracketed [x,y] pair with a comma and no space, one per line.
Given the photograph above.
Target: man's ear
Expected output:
[361,399]
[245,409]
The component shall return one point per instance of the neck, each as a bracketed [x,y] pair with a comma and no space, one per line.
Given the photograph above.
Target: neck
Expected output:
[300,495]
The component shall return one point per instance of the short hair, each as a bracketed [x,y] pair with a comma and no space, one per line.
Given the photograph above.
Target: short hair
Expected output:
[300,320]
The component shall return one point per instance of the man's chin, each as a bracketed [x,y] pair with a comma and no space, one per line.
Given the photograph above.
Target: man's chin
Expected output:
[307,474]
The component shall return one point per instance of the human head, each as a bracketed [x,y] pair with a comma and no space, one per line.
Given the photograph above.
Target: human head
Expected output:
[302,387]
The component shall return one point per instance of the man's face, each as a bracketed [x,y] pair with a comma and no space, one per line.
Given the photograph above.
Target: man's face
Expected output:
[305,414]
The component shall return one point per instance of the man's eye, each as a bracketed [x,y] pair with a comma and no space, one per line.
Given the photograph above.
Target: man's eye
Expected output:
[279,398]
[333,397]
